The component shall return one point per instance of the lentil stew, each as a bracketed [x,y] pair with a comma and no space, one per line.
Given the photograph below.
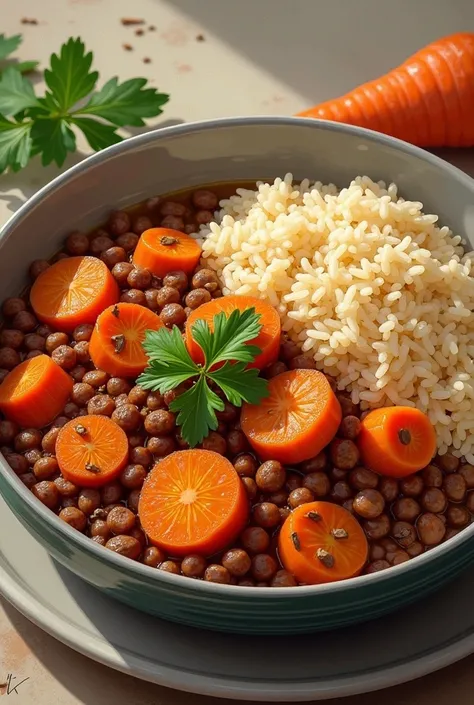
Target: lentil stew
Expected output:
[399,518]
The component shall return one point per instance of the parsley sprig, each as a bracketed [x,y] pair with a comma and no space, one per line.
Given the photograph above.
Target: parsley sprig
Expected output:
[7,46]
[228,344]
[31,125]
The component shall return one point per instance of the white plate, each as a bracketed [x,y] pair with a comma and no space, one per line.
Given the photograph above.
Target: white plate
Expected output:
[424,638]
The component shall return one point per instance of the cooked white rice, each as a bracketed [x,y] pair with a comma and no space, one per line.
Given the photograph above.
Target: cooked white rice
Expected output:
[366,283]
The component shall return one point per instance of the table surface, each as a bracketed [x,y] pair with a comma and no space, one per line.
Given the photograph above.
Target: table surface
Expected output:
[252,57]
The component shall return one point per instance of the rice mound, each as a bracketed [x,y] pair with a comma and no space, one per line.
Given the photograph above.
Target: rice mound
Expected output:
[366,283]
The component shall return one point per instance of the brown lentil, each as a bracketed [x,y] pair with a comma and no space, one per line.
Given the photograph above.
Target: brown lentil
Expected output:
[376,529]
[430,529]
[45,467]
[368,503]
[301,495]
[250,487]
[237,562]
[101,405]
[152,556]
[160,446]
[215,573]
[125,546]
[245,465]
[17,462]
[177,280]
[120,520]
[433,500]
[47,493]
[448,462]
[263,567]
[64,356]
[74,517]
[160,422]
[454,486]
[458,516]
[266,515]
[406,509]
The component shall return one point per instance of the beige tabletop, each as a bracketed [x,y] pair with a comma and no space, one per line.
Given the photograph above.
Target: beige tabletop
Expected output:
[215,58]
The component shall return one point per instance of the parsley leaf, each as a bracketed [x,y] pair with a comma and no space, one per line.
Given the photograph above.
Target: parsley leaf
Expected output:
[15,144]
[16,93]
[45,125]
[227,340]
[168,346]
[170,364]
[53,139]
[69,78]
[196,409]
[126,103]
[9,44]
[240,384]
[98,135]
[26,66]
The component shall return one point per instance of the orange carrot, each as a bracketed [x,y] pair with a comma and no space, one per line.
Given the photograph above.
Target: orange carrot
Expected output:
[116,341]
[91,450]
[296,421]
[73,291]
[396,441]
[268,340]
[428,100]
[35,392]
[193,501]
[321,542]
[162,250]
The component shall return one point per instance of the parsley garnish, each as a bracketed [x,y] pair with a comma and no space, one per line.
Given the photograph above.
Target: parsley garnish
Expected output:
[31,125]
[170,365]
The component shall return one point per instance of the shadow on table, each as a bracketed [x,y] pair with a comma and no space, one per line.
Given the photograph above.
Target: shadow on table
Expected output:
[318,48]
[34,176]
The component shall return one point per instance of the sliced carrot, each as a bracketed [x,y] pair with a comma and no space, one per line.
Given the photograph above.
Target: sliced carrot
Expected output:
[193,501]
[116,341]
[396,441]
[321,542]
[162,250]
[428,100]
[91,450]
[73,291]
[300,416]
[35,392]
[268,340]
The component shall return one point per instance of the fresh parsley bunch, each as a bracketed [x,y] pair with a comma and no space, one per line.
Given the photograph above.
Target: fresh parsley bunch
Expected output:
[31,125]
[170,365]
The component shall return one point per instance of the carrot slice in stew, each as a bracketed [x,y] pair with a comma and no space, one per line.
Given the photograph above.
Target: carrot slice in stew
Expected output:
[193,501]
[396,441]
[91,450]
[162,250]
[35,392]
[116,341]
[73,291]
[321,542]
[268,340]
[296,421]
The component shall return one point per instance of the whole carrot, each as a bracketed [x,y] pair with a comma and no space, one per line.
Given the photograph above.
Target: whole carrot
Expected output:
[428,100]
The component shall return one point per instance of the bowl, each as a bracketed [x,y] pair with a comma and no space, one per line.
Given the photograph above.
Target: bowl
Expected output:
[193,155]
